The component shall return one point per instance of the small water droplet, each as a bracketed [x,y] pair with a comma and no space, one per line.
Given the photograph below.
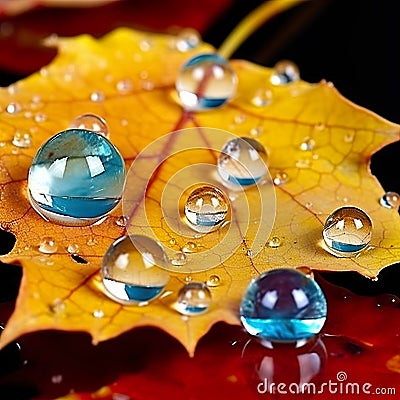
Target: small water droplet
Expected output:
[97,97]
[73,248]
[44,72]
[249,253]
[13,108]
[98,313]
[172,242]
[309,205]
[146,44]
[22,139]
[36,99]
[91,241]
[121,221]
[349,137]
[40,117]
[285,72]
[257,131]
[239,118]
[91,122]
[48,245]
[206,209]
[274,242]
[390,200]
[307,144]
[189,247]
[147,85]
[56,379]
[188,278]
[124,122]
[178,259]
[213,281]
[194,298]
[319,126]
[188,39]
[303,163]
[306,271]
[262,97]
[280,178]
[57,307]
[120,396]
[124,85]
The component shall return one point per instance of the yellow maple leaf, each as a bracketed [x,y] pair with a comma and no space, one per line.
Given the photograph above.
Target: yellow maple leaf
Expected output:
[128,78]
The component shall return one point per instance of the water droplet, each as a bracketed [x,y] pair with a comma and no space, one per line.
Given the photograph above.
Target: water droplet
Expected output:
[73,248]
[307,144]
[303,163]
[349,137]
[57,307]
[188,278]
[56,379]
[13,108]
[147,85]
[121,221]
[205,82]
[97,97]
[146,44]
[239,118]
[347,231]
[213,281]
[36,99]
[172,242]
[306,271]
[283,305]
[206,208]
[40,117]
[242,161]
[48,245]
[22,139]
[249,253]
[124,122]
[124,85]
[280,178]
[178,259]
[257,131]
[285,72]
[90,122]
[274,242]
[76,178]
[309,205]
[99,313]
[262,97]
[120,396]
[91,241]
[189,247]
[320,126]
[194,298]
[390,200]
[131,272]
[188,39]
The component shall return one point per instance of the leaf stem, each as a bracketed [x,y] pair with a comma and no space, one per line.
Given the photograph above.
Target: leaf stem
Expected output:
[252,22]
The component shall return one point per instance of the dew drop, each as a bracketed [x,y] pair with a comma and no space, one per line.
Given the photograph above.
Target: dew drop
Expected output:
[99,313]
[188,39]
[121,221]
[73,248]
[22,139]
[349,137]
[249,253]
[178,259]
[146,44]
[390,200]
[189,247]
[57,379]
[257,131]
[97,97]
[124,85]
[285,72]
[91,241]
[306,271]
[40,117]
[320,126]
[91,122]
[303,163]
[206,209]
[194,298]
[13,108]
[274,242]
[239,118]
[307,144]
[188,278]
[124,122]
[172,242]
[57,307]
[280,178]
[147,85]
[262,97]
[347,231]
[48,245]
[213,281]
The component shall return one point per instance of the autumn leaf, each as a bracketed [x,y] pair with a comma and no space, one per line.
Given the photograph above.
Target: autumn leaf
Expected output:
[128,77]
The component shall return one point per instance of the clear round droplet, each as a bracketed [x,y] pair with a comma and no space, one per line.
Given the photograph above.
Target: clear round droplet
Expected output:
[90,122]
[213,281]
[40,117]
[206,208]
[73,248]
[306,271]
[262,97]
[97,97]
[205,82]
[285,72]
[283,305]
[307,144]
[280,178]
[347,231]
[189,247]
[274,242]
[256,131]
[22,139]
[242,162]
[98,313]
[390,200]
[57,307]
[121,221]
[13,108]
[76,178]
[178,259]
[48,245]
[131,270]
[188,39]
[194,298]
[124,85]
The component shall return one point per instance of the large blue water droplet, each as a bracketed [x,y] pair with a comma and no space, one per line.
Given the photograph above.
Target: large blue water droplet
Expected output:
[76,178]
[283,305]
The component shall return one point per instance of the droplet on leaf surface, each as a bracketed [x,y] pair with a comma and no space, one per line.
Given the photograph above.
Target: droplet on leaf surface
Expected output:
[206,81]
[188,39]
[285,72]
[206,208]
[90,122]
[22,139]
[347,231]
[131,270]
[193,298]
[76,178]
[48,245]
[242,162]
[283,305]
[390,200]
